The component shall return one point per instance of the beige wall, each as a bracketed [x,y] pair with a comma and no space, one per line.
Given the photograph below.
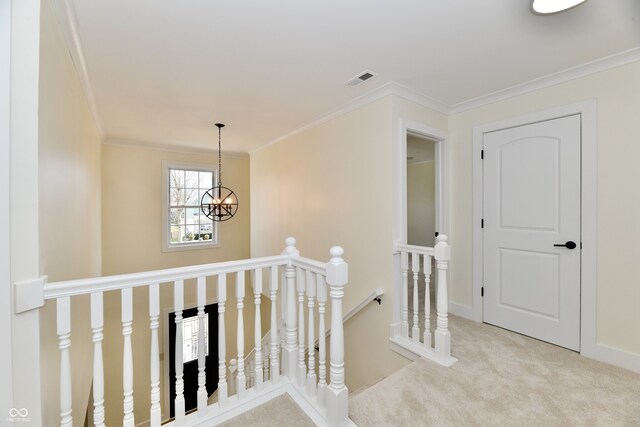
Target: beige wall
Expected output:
[69,209]
[326,186]
[132,242]
[617,92]
[132,210]
[421,203]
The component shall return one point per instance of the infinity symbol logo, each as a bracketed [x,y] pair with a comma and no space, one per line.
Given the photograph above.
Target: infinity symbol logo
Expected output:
[13,412]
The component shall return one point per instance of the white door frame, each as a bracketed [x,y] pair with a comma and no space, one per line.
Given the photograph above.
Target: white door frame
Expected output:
[588,211]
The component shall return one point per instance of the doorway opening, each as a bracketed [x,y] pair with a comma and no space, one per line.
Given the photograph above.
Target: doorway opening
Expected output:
[421,190]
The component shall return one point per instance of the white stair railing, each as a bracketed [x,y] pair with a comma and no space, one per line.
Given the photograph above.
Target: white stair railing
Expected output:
[288,368]
[417,336]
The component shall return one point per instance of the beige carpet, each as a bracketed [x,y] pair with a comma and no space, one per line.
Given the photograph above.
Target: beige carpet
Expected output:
[501,379]
[281,412]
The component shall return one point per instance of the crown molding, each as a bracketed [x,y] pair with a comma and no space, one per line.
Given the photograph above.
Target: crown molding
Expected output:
[173,148]
[419,98]
[66,15]
[573,73]
[390,88]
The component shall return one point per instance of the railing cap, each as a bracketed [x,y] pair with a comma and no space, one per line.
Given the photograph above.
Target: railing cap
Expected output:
[336,253]
[290,249]
[442,249]
[337,269]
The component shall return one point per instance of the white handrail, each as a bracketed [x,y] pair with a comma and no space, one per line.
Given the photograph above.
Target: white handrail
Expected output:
[309,264]
[365,302]
[422,250]
[110,283]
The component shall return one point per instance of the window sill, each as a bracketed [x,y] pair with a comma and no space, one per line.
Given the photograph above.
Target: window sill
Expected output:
[190,246]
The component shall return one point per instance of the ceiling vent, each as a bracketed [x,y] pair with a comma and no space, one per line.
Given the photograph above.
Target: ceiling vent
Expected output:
[360,78]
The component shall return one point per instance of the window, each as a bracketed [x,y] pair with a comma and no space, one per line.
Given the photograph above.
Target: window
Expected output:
[184,224]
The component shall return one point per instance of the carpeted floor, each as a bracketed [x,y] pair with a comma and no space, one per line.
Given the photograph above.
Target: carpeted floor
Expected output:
[501,379]
[281,412]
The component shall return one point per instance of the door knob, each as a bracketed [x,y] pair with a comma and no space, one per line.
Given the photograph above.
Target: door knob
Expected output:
[569,245]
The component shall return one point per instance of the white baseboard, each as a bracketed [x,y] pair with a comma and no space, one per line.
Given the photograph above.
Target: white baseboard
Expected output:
[613,356]
[463,311]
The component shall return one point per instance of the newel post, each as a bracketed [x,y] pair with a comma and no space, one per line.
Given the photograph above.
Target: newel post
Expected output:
[337,393]
[442,335]
[290,353]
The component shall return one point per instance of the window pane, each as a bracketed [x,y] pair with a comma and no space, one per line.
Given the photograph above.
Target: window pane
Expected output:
[190,232]
[176,196]
[193,214]
[206,231]
[176,216]
[191,180]
[174,234]
[176,178]
[192,197]
[206,180]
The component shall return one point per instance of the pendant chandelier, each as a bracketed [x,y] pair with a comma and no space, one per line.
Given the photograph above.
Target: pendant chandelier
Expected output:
[219,203]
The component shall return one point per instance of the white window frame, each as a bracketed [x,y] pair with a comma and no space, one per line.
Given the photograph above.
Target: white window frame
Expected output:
[166,241]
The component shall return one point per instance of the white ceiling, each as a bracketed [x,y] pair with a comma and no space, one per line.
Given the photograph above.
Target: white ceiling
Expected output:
[163,71]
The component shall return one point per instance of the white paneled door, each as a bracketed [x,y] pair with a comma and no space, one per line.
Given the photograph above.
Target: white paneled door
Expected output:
[532,230]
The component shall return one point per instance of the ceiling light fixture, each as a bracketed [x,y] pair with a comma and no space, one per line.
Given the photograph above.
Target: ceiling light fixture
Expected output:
[219,203]
[549,7]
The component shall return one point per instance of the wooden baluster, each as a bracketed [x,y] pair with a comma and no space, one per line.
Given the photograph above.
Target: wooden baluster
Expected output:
[251,369]
[127,358]
[222,369]
[442,335]
[290,352]
[241,380]
[337,392]
[415,267]
[427,301]
[322,341]
[202,395]
[275,365]
[302,369]
[178,304]
[265,362]
[283,327]
[63,308]
[311,296]
[257,292]
[97,325]
[404,263]
[154,315]
[233,376]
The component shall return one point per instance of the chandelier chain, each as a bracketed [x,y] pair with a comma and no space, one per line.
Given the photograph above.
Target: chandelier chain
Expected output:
[219,157]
